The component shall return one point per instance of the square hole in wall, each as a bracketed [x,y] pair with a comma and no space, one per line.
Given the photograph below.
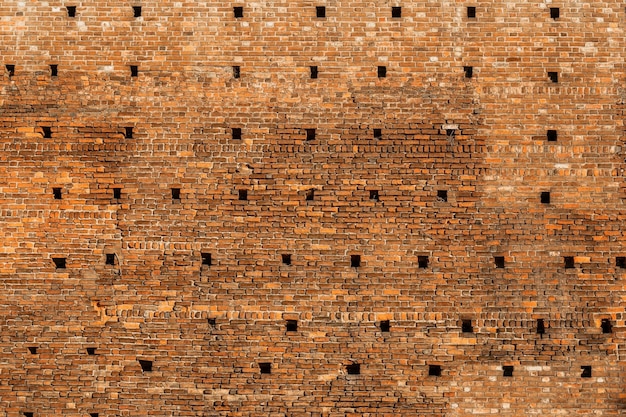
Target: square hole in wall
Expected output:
[265,367]
[568,262]
[310,195]
[292,325]
[117,193]
[620,261]
[385,326]
[541,326]
[545,197]
[128,132]
[320,11]
[211,321]
[28,414]
[236,71]
[469,71]
[507,371]
[353,369]
[236,133]
[54,70]
[206,258]
[499,261]
[374,195]
[422,261]
[466,326]
[434,370]
[585,371]
[91,351]
[59,263]
[471,12]
[57,193]
[47,131]
[551,135]
[71,11]
[32,350]
[242,195]
[310,134]
[146,366]
[313,71]
[93,414]
[606,326]
[442,195]
[238,11]
[378,133]
[136,11]
[175,193]
[553,76]
[10,69]
[134,70]
[555,12]
[286,258]
[396,11]
[382,71]
[355,261]
[110,259]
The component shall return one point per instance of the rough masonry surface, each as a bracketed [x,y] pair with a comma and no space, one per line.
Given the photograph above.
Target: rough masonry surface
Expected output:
[243,209]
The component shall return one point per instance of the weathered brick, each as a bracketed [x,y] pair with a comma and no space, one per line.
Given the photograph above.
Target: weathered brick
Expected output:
[206,328]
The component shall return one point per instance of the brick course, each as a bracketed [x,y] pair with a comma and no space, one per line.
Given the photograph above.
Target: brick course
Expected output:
[206,328]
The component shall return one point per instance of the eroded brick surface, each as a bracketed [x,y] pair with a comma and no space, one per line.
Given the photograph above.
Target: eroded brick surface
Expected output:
[428,175]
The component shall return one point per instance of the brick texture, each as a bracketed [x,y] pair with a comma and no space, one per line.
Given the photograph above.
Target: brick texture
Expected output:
[454,179]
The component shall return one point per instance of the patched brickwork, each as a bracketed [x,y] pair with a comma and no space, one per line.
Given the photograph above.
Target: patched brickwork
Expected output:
[312,209]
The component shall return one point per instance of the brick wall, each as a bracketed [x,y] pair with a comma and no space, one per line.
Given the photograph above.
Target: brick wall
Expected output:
[251,240]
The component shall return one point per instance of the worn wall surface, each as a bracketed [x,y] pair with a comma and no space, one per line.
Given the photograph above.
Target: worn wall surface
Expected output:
[433,178]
